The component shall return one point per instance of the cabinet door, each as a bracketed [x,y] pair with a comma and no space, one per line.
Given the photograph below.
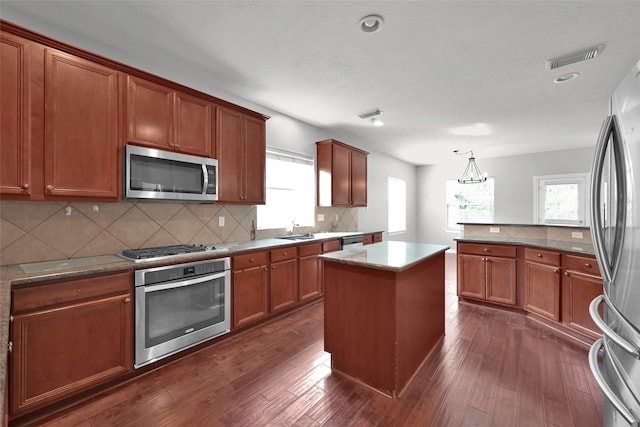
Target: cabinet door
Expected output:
[15,147]
[230,149]
[61,351]
[250,297]
[500,276]
[81,117]
[283,283]
[578,290]
[341,179]
[150,119]
[309,285]
[193,125]
[471,276]
[358,178]
[542,290]
[255,153]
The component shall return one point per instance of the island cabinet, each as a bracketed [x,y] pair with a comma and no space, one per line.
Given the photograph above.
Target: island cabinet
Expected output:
[81,146]
[161,117]
[283,278]
[241,153]
[581,283]
[341,174]
[541,284]
[487,272]
[67,337]
[250,288]
[309,284]
[15,141]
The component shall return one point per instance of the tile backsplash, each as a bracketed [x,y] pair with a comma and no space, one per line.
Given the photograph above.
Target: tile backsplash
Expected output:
[45,231]
[559,233]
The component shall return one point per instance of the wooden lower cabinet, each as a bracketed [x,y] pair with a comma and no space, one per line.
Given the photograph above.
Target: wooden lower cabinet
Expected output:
[250,288]
[68,337]
[581,283]
[541,284]
[283,279]
[309,284]
[487,278]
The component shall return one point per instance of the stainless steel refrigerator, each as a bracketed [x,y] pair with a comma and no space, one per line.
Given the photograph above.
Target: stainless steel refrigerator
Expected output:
[615,211]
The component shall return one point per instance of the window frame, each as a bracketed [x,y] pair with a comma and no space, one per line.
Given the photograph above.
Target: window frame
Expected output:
[280,154]
[394,203]
[582,179]
[459,228]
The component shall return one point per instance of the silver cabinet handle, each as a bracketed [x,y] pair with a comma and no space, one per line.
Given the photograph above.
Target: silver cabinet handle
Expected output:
[606,330]
[606,390]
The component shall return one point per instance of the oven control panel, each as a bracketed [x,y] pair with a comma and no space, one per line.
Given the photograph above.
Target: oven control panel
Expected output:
[168,273]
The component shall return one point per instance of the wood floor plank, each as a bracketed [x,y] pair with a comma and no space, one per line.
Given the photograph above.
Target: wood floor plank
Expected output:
[492,368]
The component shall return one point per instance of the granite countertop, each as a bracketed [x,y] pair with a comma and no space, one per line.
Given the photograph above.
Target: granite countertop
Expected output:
[523,225]
[581,248]
[389,256]
[23,274]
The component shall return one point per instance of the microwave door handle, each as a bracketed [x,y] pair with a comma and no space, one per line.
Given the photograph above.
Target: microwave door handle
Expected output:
[596,202]
[182,282]
[205,179]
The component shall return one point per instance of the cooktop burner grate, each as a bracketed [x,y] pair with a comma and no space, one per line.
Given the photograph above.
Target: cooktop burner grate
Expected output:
[163,251]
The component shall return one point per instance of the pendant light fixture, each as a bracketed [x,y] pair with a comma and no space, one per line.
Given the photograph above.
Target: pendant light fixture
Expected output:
[471,174]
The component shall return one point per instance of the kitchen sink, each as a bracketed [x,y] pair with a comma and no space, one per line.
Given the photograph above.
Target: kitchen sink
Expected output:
[298,237]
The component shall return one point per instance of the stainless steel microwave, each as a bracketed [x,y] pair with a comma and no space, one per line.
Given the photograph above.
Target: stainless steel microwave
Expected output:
[164,175]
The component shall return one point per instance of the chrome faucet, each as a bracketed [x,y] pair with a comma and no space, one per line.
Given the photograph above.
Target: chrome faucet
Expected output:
[293,227]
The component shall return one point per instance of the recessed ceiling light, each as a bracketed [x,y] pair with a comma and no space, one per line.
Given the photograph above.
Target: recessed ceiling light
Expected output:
[566,77]
[371,23]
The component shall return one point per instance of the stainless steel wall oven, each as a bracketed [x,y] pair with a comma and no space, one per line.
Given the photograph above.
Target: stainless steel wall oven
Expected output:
[179,306]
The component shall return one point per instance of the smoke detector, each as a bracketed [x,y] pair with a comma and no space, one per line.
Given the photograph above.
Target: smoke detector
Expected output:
[572,58]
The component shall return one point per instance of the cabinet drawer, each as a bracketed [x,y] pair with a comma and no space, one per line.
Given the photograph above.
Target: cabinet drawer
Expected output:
[542,256]
[313,249]
[249,260]
[330,246]
[377,237]
[487,249]
[47,295]
[367,239]
[283,254]
[583,264]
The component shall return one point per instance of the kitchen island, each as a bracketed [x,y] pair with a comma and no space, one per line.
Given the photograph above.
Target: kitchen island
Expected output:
[384,311]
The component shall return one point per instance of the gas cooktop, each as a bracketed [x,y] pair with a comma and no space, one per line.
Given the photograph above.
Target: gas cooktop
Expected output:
[161,252]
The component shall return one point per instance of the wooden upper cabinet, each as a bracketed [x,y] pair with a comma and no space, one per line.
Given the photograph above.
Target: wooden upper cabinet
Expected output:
[15,147]
[241,151]
[81,128]
[160,117]
[358,178]
[149,114]
[193,125]
[341,174]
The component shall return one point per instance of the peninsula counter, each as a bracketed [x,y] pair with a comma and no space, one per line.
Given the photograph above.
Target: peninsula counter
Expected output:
[384,311]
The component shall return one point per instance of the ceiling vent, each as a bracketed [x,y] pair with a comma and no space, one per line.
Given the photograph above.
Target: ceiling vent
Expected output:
[572,58]
[369,114]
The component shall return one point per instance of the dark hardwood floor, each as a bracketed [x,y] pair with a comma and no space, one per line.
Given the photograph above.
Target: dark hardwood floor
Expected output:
[493,368]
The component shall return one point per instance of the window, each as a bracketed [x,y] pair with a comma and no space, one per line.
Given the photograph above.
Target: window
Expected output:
[397,205]
[561,199]
[469,203]
[290,190]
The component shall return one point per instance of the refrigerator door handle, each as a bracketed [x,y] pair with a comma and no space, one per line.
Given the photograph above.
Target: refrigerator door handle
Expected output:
[606,330]
[609,261]
[606,390]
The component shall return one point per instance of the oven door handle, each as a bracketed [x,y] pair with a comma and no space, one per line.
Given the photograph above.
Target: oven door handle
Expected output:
[182,282]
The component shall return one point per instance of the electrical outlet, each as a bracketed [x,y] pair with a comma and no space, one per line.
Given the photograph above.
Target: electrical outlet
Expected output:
[320,217]
[577,234]
[494,229]
[220,221]
[95,209]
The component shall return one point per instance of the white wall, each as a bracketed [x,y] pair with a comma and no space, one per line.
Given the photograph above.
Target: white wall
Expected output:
[513,187]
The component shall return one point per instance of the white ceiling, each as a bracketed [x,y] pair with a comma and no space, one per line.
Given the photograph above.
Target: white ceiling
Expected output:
[433,67]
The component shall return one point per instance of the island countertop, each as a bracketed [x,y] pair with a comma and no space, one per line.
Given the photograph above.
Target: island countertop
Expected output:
[389,255]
